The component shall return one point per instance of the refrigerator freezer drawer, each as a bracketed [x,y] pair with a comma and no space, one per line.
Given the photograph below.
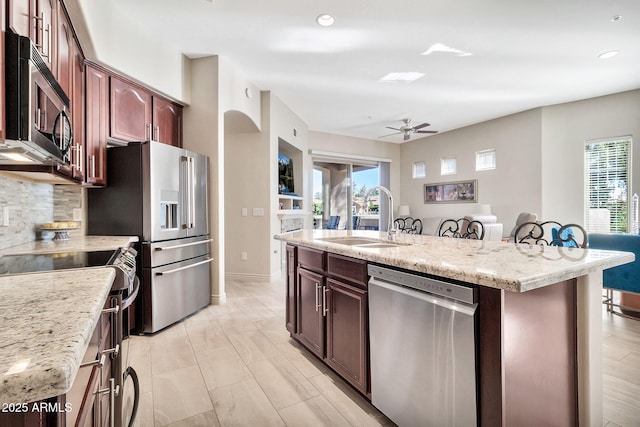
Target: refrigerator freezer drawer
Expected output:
[162,253]
[174,291]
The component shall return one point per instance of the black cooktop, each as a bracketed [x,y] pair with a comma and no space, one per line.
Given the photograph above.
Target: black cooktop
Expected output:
[19,264]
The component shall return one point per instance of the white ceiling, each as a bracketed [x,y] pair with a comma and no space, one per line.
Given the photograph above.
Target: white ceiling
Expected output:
[525,54]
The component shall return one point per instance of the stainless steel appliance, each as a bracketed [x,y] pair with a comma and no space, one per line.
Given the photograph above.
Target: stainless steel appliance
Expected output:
[159,192]
[123,294]
[38,129]
[423,362]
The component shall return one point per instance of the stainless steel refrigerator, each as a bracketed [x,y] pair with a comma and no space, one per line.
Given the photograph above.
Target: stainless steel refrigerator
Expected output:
[159,193]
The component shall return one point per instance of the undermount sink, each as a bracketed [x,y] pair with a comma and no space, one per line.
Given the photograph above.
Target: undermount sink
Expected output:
[365,242]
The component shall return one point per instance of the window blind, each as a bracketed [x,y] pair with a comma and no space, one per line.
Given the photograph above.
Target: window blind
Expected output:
[485,160]
[607,171]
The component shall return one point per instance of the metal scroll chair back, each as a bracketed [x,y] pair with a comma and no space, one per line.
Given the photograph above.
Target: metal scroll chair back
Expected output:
[408,225]
[461,229]
[551,233]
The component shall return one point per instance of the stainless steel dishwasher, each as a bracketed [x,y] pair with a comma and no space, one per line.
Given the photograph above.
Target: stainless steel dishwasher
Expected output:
[423,362]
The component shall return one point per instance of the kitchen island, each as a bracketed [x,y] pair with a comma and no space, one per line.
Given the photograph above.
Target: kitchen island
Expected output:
[539,334]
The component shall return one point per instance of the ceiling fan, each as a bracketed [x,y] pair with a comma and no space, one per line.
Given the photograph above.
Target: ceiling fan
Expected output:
[408,130]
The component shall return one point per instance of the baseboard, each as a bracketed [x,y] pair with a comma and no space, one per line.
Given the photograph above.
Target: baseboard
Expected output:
[218,299]
[248,277]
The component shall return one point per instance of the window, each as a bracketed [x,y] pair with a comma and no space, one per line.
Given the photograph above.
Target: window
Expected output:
[448,166]
[419,170]
[486,160]
[607,172]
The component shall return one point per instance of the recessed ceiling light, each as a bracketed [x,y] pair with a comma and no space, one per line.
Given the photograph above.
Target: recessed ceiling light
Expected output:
[607,55]
[401,77]
[325,20]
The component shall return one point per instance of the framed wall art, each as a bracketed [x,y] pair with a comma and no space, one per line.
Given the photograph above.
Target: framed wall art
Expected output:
[452,192]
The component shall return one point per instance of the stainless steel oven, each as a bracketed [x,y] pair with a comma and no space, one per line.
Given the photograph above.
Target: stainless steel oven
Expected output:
[124,292]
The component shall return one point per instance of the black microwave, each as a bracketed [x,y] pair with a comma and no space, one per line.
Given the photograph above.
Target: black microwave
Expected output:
[38,129]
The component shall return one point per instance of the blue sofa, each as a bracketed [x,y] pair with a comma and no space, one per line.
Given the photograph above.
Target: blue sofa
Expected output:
[625,277]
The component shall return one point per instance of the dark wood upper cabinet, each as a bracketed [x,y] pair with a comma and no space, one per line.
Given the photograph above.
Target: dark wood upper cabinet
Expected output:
[36,19]
[96,119]
[167,122]
[65,53]
[130,111]
[21,16]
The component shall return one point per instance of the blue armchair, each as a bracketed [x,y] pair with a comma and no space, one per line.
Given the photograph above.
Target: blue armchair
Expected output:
[625,277]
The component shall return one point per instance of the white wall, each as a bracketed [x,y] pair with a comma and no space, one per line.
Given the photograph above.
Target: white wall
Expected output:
[122,44]
[513,187]
[565,128]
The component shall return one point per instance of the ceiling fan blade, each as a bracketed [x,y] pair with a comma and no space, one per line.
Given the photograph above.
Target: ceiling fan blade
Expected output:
[389,127]
[384,136]
[426,131]
[407,136]
[423,125]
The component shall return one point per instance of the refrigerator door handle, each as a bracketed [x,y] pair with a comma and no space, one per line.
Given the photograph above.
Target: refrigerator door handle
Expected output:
[185,192]
[175,270]
[192,189]
[166,248]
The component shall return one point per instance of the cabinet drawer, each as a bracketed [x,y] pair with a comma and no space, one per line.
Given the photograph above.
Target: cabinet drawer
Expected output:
[350,269]
[311,259]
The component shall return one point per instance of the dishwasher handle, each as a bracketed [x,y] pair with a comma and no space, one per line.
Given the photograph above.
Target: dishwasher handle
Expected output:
[450,304]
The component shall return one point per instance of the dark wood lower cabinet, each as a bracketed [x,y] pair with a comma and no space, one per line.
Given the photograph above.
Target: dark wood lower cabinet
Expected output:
[310,322]
[347,333]
[331,311]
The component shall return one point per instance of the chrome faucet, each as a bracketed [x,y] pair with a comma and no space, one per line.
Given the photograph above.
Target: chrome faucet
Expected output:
[391,231]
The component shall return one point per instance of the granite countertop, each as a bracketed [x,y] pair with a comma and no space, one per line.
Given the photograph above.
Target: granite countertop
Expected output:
[515,268]
[80,243]
[46,323]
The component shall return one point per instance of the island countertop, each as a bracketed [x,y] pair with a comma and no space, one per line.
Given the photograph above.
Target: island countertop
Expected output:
[46,323]
[79,244]
[515,268]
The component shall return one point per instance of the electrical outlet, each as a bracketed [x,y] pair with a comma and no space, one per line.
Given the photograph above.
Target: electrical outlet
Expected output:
[77,214]
[244,212]
[243,256]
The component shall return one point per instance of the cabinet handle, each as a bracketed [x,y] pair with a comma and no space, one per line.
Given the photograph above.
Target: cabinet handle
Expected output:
[157,133]
[79,167]
[98,362]
[148,132]
[317,297]
[325,310]
[92,167]
[113,391]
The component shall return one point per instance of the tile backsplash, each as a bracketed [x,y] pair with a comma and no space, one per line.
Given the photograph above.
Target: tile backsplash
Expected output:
[31,204]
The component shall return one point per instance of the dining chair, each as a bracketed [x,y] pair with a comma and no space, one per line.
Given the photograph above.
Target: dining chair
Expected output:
[461,229]
[552,233]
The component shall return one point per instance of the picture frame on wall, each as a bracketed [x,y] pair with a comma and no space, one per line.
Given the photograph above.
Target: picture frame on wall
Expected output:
[452,192]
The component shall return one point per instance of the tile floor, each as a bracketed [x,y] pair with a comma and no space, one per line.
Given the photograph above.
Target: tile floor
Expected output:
[235,365]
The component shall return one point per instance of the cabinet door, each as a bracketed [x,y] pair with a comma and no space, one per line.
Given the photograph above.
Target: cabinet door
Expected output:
[64,61]
[77,109]
[45,31]
[290,313]
[167,122]
[130,109]
[310,316]
[97,86]
[347,333]
[21,16]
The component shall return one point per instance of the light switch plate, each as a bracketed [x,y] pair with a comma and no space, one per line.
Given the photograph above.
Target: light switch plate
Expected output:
[258,211]
[244,212]
[77,214]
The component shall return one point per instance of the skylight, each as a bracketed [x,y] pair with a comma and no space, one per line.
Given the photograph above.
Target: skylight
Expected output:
[401,77]
[443,48]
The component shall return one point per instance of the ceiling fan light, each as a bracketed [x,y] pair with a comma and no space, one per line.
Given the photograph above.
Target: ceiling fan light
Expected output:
[325,20]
